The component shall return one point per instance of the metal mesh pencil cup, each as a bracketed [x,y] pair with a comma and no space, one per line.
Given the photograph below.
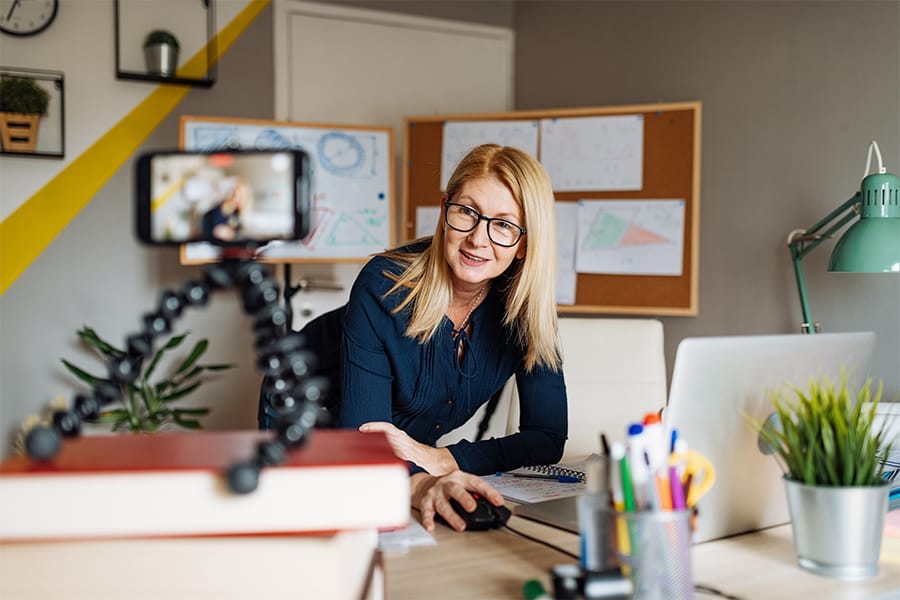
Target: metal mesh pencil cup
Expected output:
[655,547]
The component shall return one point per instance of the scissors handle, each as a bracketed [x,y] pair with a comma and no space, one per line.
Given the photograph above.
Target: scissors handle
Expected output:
[700,470]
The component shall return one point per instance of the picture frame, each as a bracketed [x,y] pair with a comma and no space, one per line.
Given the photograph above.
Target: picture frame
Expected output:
[46,139]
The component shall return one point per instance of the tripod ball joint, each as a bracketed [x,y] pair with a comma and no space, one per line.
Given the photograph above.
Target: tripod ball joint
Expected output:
[124,368]
[271,452]
[171,304]
[139,345]
[217,277]
[157,324]
[196,293]
[243,477]
[67,422]
[87,407]
[43,442]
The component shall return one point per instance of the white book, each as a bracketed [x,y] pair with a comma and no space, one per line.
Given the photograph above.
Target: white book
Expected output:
[345,565]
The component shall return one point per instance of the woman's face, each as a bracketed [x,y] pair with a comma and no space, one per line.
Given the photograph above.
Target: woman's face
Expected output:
[473,258]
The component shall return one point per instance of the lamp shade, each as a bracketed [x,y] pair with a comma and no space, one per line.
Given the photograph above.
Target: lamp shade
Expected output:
[872,244]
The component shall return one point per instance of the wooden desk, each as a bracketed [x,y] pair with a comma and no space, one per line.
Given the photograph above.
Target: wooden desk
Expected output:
[495,564]
[481,565]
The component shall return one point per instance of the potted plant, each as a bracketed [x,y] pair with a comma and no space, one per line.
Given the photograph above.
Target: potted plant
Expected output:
[161,52]
[149,404]
[23,101]
[833,456]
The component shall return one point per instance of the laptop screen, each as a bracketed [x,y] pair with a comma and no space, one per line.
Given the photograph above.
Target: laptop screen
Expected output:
[715,380]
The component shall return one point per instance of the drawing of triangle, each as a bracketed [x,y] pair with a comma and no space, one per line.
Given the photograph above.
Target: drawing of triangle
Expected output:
[638,236]
[317,230]
[605,232]
[347,232]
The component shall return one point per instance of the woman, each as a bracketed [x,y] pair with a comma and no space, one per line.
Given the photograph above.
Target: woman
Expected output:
[223,221]
[432,330]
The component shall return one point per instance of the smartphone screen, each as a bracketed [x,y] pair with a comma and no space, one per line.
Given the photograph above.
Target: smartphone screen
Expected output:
[241,197]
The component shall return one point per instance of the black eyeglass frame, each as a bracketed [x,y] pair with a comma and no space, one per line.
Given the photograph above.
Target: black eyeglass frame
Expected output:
[481,217]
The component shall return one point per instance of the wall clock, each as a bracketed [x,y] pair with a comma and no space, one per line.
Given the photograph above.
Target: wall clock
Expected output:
[27,17]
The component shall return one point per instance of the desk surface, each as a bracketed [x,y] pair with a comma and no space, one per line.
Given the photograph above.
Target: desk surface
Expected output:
[495,564]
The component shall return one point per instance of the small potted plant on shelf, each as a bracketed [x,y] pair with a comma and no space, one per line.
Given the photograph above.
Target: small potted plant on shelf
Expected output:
[833,455]
[23,101]
[161,52]
[148,405]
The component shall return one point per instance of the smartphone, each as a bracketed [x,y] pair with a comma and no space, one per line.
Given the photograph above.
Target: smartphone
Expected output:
[227,198]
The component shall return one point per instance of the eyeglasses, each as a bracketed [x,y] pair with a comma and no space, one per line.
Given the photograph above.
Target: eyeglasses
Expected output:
[465,218]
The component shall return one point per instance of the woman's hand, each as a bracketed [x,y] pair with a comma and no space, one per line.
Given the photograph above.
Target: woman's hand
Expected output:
[437,461]
[431,495]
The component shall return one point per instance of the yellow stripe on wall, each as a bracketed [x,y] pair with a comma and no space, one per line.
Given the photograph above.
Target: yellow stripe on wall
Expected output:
[28,231]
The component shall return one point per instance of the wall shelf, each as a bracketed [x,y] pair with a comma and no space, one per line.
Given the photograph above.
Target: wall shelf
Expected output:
[192,22]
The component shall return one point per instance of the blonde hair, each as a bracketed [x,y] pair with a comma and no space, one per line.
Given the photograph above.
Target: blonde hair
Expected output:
[530,296]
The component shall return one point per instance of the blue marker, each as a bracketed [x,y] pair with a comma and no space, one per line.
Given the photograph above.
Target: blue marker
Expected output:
[557,478]
[640,473]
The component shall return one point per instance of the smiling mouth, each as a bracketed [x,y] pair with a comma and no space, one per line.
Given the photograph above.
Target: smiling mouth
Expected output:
[472,258]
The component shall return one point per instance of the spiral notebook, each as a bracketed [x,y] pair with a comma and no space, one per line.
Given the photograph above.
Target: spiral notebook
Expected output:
[528,489]
[572,470]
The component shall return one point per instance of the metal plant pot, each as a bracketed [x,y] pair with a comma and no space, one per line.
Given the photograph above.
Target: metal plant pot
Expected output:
[837,530]
[161,59]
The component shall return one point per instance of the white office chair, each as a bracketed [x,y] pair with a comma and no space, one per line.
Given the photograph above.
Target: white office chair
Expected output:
[615,372]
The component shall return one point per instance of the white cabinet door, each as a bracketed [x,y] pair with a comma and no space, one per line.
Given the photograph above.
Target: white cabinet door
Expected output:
[355,66]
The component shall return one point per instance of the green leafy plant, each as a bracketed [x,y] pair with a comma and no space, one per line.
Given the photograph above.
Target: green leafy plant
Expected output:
[148,404]
[160,36]
[23,95]
[825,437]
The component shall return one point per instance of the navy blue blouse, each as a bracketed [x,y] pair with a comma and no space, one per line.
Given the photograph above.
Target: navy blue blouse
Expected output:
[426,391]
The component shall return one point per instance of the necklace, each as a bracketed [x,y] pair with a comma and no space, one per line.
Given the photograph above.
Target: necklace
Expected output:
[472,306]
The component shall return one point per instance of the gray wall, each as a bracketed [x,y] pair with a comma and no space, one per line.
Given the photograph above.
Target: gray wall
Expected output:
[792,92]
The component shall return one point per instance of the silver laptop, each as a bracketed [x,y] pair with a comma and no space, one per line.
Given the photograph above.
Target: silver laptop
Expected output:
[714,381]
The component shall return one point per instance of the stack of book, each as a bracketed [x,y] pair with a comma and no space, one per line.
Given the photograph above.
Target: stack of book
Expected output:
[156,509]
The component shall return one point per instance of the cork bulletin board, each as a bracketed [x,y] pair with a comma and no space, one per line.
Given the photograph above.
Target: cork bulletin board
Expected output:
[669,169]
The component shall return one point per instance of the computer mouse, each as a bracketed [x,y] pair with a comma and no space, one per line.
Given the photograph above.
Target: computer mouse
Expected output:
[485,516]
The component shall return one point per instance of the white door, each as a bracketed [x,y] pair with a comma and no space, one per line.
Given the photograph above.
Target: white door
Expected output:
[353,66]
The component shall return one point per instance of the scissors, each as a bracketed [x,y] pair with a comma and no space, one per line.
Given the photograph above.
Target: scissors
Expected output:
[699,474]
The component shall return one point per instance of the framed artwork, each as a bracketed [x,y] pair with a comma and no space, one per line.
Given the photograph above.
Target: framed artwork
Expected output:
[32,112]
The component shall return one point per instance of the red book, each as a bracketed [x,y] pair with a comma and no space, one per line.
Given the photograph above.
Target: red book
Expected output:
[172,484]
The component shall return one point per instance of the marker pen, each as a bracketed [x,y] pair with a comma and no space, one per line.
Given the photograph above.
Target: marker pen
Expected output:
[679,455]
[556,478]
[655,439]
[627,486]
[637,445]
[616,454]
[653,502]
[677,489]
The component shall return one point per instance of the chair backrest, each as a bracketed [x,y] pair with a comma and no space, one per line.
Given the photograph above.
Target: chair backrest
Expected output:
[615,372]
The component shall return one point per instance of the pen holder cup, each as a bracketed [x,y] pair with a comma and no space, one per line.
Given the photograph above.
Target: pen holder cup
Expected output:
[655,547]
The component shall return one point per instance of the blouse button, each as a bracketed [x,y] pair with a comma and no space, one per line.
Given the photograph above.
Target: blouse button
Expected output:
[437,427]
[450,401]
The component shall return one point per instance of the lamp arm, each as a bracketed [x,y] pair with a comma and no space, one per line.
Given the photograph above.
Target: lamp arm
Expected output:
[802,241]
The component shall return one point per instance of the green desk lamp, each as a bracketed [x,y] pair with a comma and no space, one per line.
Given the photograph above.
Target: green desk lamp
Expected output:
[871,245]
